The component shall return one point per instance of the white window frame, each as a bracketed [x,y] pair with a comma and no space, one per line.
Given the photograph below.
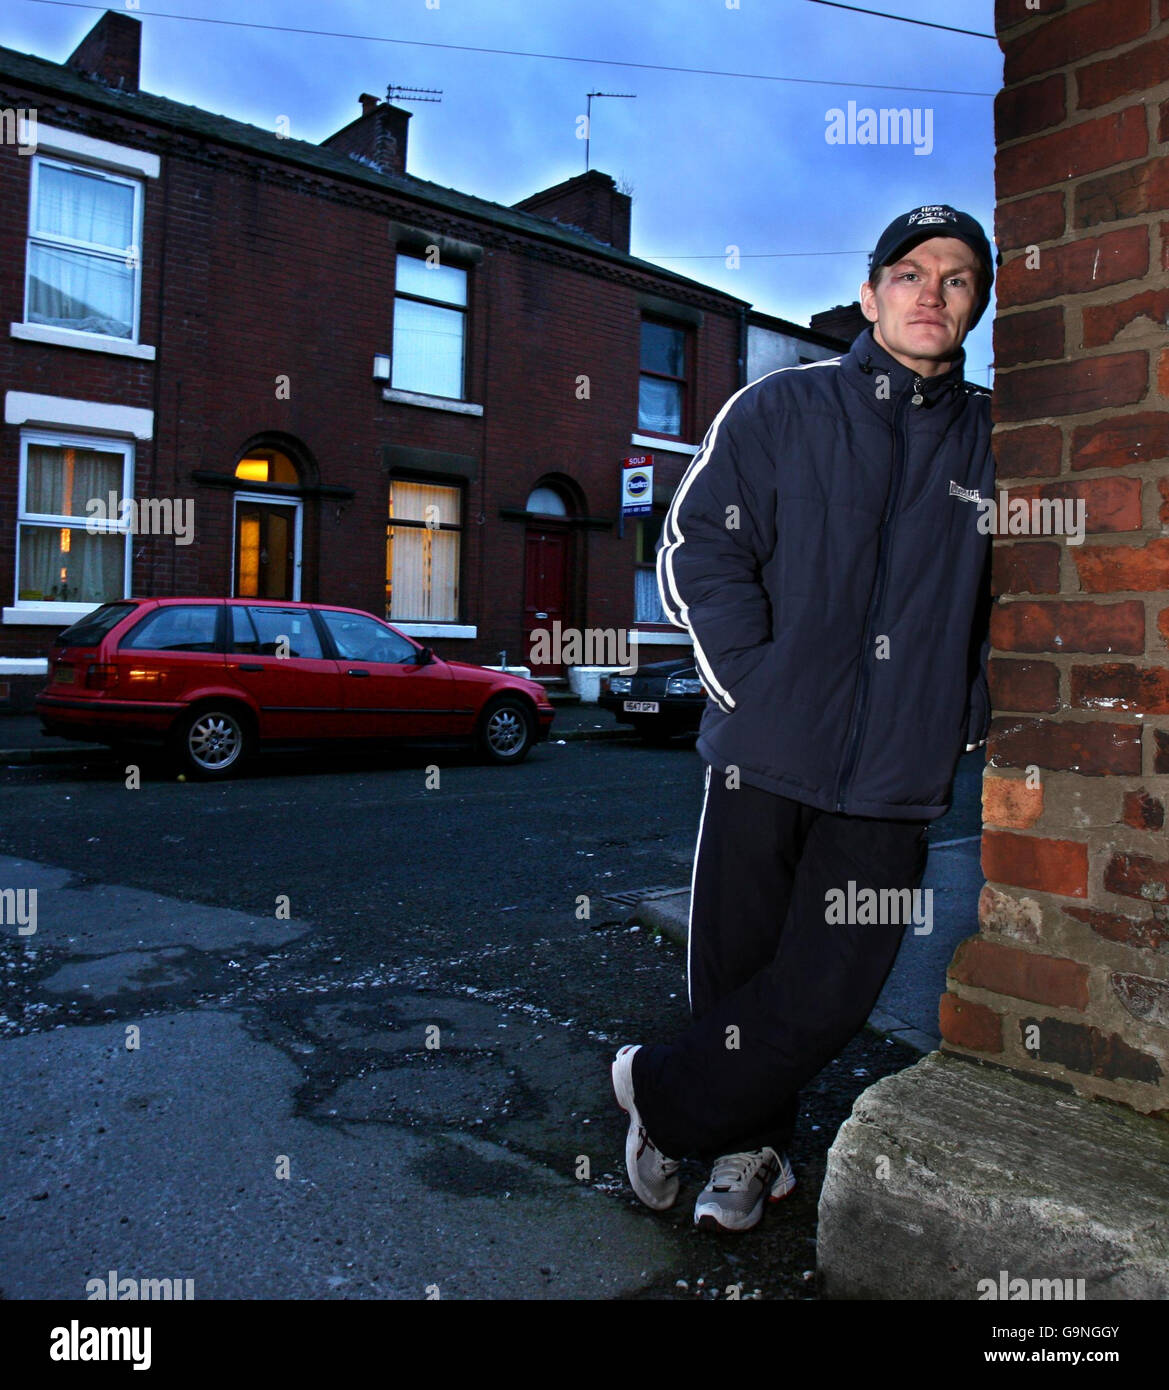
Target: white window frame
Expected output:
[72,336]
[43,611]
[410,396]
[686,380]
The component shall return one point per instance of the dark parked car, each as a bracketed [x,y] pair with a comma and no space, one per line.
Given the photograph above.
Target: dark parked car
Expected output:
[660,700]
[215,679]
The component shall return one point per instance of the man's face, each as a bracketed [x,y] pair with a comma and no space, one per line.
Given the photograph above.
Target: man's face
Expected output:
[923,304]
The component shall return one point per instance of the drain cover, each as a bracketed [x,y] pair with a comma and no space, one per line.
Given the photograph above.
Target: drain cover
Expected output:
[632,896]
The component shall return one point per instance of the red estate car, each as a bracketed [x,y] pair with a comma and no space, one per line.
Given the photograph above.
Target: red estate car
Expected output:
[213,679]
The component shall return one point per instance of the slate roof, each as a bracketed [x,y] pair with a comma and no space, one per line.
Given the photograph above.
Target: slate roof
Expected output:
[40,74]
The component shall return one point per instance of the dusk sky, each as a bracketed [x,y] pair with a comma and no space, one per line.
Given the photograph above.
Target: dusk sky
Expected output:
[732,157]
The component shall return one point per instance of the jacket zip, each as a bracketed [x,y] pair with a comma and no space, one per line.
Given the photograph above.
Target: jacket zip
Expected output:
[860,695]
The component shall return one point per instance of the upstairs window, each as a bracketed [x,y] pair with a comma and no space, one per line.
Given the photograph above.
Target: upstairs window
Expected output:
[661,405]
[84,239]
[430,328]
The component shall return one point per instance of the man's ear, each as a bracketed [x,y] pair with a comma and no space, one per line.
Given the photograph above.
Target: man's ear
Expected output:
[868,298]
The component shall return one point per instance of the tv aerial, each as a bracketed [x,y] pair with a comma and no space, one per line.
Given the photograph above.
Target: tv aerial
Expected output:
[394,92]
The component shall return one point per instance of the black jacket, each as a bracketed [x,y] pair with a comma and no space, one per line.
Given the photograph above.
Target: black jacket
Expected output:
[823,550]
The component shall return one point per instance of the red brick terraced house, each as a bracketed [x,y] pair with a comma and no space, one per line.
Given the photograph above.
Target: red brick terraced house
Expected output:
[319,377]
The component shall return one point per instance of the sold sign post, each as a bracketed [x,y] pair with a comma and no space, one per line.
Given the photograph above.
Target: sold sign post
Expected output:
[637,485]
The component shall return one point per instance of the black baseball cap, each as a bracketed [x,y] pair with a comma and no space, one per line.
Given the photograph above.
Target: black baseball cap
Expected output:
[938,219]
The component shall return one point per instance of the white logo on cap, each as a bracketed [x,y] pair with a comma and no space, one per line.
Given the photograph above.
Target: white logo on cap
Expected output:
[927,217]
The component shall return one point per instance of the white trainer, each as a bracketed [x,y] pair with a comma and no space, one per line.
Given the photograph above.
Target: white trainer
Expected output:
[652,1175]
[733,1198]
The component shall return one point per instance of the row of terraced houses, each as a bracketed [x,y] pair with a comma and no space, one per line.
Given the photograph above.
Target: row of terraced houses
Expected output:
[328,379]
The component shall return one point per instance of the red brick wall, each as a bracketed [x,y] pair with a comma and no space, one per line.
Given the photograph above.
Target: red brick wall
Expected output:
[1069,977]
[252,272]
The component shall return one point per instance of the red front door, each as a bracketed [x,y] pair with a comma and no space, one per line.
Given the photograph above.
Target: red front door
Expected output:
[545,595]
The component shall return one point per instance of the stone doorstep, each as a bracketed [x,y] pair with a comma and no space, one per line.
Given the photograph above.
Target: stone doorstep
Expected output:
[951,1172]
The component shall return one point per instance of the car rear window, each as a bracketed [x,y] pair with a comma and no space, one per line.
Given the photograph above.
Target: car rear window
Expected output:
[88,631]
[176,628]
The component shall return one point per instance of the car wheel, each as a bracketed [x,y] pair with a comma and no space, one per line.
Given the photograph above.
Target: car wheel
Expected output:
[507,732]
[213,741]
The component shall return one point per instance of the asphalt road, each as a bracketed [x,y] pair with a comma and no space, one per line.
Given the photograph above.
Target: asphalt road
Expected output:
[333,1030]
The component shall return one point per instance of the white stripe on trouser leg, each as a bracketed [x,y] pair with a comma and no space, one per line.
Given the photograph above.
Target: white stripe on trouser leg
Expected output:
[693,880]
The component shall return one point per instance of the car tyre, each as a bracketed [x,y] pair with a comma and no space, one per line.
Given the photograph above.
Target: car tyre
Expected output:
[213,742]
[506,731]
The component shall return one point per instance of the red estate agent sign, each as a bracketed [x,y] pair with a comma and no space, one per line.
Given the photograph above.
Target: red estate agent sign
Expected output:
[637,485]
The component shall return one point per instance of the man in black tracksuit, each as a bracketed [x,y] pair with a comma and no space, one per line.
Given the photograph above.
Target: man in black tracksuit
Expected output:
[823,549]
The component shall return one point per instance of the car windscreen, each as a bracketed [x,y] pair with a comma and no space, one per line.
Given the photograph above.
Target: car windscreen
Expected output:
[88,631]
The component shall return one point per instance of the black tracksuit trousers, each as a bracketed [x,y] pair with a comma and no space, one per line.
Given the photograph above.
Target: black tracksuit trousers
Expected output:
[776,991]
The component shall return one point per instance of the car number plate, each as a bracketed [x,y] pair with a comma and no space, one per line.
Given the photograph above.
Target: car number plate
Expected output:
[641,707]
[66,675]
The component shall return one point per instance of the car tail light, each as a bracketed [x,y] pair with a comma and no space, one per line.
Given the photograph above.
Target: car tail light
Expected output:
[143,675]
[101,675]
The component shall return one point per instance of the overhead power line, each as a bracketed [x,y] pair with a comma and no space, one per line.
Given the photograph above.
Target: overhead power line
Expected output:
[750,255]
[903,18]
[524,53]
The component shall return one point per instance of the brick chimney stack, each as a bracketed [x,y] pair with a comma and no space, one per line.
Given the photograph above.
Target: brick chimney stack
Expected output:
[110,51]
[378,135]
[844,321]
[590,202]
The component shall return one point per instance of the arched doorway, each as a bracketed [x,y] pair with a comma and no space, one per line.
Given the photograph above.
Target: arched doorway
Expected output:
[547,567]
[266,548]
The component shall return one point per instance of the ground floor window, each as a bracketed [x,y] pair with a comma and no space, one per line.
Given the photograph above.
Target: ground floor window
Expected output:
[72,541]
[423,541]
[647,601]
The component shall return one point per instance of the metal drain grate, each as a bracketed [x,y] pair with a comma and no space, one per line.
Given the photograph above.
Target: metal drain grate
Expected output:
[632,896]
